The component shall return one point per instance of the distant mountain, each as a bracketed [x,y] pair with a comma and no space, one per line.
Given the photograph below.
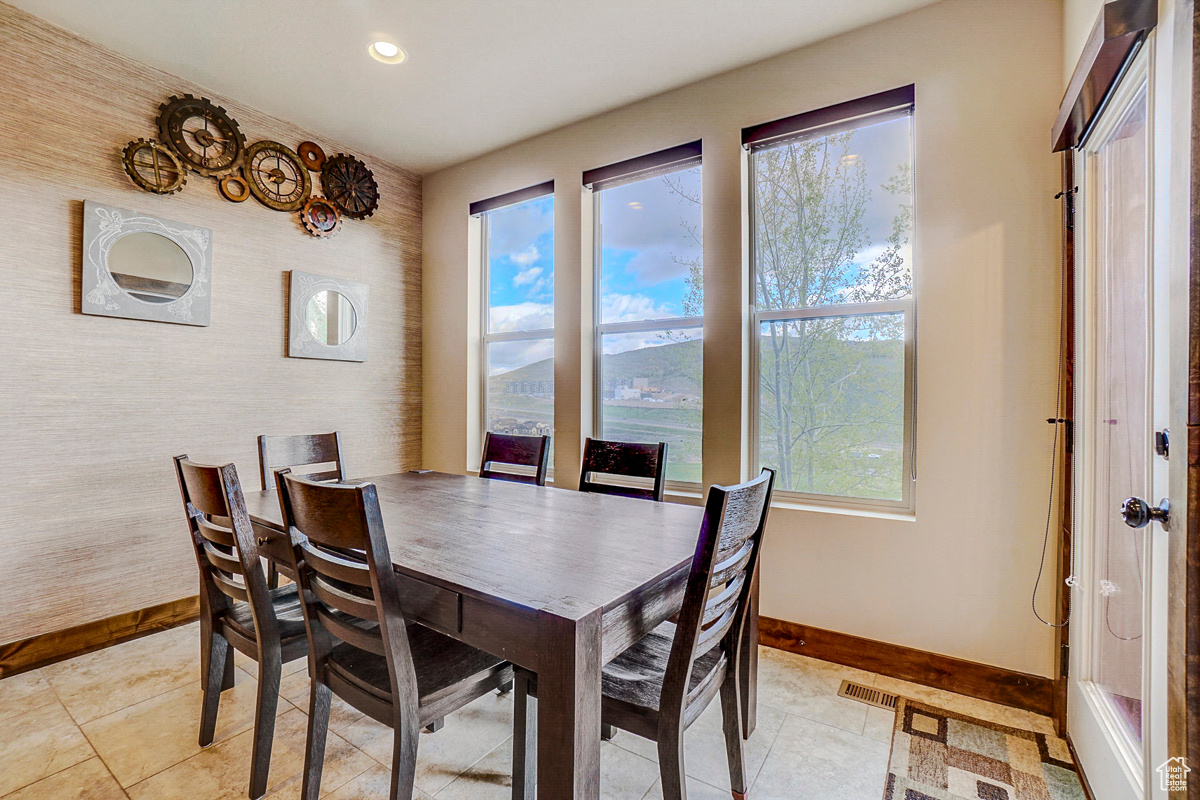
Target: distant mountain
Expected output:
[674,367]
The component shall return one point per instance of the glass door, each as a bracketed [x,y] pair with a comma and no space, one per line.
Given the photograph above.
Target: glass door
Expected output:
[1113,671]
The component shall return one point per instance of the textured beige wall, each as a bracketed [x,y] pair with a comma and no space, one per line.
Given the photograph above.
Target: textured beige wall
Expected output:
[957,579]
[93,408]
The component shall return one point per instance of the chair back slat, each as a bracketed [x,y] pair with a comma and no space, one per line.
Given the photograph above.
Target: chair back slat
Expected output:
[624,459]
[302,453]
[716,607]
[230,587]
[338,599]
[338,566]
[224,543]
[718,588]
[226,562]
[502,449]
[351,592]
[221,535]
[726,569]
[363,639]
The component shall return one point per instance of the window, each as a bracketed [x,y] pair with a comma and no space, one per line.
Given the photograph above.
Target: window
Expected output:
[518,311]
[831,255]
[649,305]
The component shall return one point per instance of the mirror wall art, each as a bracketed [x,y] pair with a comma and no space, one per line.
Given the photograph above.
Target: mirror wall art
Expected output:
[141,267]
[327,318]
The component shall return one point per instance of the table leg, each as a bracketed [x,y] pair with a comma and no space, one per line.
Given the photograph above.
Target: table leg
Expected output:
[568,706]
[748,659]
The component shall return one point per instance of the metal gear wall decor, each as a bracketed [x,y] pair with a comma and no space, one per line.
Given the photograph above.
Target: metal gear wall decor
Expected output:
[202,134]
[320,217]
[312,155]
[153,167]
[196,134]
[234,187]
[278,178]
[350,186]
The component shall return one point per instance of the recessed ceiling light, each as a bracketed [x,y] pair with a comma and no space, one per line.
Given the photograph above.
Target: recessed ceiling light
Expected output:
[386,52]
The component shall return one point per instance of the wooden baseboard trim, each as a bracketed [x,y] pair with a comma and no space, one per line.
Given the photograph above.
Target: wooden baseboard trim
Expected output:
[995,684]
[48,648]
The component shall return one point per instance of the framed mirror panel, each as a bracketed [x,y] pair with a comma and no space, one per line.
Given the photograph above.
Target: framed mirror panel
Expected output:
[141,267]
[327,318]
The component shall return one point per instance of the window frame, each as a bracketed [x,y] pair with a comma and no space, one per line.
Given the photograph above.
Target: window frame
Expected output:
[600,328]
[489,338]
[907,306]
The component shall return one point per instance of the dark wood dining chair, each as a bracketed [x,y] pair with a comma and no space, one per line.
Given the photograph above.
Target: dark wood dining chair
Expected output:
[658,687]
[625,459]
[299,453]
[506,450]
[237,609]
[361,649]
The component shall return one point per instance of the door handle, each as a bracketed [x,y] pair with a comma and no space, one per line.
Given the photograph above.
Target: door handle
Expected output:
[1137,513]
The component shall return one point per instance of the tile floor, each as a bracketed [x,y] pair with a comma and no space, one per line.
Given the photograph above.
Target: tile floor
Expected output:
[121,724]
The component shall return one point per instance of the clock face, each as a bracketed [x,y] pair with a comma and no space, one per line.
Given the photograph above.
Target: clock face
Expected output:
[278,179]
[203,135]
[350,186]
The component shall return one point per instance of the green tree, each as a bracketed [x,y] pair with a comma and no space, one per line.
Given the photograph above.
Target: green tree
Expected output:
[831,415]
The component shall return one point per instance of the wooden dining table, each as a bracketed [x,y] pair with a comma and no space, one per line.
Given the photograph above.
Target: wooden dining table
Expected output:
[556,581]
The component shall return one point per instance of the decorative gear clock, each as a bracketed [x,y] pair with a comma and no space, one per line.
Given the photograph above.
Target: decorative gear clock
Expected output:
[153,167]
[202,134]
[278,178]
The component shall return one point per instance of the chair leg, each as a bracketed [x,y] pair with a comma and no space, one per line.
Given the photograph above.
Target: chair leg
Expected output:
[319,702]
[227,679]
[524,769]
[404,760]
[272,575]
[731,723]
[505,689]
[264,725]
[607,732]
[670,763]
[217,655]
[436,725]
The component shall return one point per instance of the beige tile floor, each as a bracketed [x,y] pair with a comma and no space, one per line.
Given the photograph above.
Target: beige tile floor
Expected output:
[120,724]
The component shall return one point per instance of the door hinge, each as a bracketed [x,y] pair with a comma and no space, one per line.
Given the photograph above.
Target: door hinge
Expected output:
[1069,195]
[1064,668]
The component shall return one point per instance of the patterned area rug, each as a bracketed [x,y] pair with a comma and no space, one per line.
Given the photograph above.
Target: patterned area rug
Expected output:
[940,755]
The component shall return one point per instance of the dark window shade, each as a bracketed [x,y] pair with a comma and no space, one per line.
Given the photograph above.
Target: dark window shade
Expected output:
[512,198]
[635,169]
[832,119]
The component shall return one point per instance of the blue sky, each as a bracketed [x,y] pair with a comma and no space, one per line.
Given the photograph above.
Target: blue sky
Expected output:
[644,243]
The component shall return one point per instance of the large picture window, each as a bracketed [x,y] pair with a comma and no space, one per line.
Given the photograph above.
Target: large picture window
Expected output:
[831,251]
[649,305]
[517,234]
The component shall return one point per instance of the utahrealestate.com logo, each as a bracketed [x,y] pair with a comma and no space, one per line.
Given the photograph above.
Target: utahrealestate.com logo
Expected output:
[1173,773]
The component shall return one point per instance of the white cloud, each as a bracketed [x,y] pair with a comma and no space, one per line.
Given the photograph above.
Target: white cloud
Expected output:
[522,317]
[526,257]
[630,307]
[527,276]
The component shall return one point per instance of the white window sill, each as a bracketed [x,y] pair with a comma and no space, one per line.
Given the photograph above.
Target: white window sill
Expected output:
[896,515]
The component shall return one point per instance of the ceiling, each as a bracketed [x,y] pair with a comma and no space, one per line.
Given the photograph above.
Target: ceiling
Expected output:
[480,74]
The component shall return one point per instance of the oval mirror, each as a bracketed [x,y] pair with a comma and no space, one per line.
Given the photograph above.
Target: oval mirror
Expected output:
[331,318]
[150,267]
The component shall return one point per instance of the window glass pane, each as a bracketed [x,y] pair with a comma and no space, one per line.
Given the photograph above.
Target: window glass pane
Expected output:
[831,414]
[650,386]
[520,255]
[521,387]
[650,248]
[833,218]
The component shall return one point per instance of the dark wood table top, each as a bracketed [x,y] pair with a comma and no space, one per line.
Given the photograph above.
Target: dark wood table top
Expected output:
[538,547]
